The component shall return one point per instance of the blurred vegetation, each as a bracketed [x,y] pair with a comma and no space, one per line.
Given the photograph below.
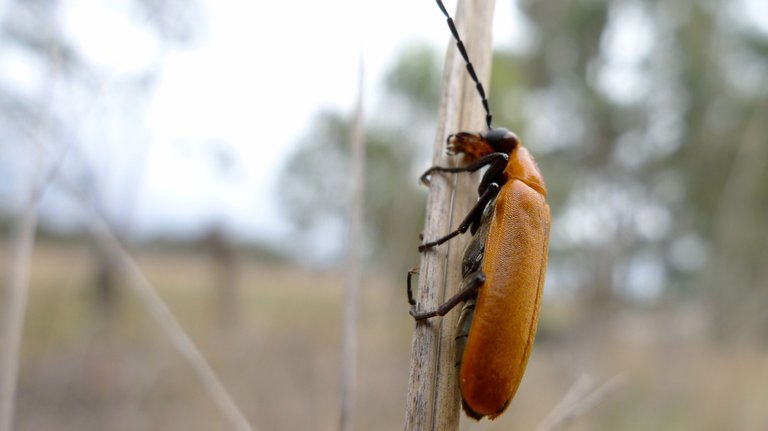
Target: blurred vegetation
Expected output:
[648,121]
[47,113]
[315,182]
[652,137]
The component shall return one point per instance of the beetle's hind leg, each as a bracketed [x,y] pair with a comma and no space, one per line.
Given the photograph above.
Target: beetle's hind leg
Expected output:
[408,283]
[462,330]
[472,282]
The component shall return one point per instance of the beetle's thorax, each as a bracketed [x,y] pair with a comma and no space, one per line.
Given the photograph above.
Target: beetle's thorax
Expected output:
[521,166]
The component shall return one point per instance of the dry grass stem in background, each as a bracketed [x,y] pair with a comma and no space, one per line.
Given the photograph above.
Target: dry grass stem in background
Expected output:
[14,305]
[164,317]
[579,400]
[353,266]
[433,397]
[22,238]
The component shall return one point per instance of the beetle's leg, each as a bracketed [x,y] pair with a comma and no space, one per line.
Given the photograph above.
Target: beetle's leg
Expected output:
[491,159]
[474,216]
[468,290]
[408,283]
[494,174]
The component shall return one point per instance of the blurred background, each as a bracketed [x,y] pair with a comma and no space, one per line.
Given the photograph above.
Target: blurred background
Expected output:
[212,138]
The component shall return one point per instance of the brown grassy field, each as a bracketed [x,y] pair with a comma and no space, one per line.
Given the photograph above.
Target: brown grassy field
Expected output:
[279,356]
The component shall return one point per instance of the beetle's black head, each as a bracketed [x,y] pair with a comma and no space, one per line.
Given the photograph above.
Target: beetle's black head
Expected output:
[501,140]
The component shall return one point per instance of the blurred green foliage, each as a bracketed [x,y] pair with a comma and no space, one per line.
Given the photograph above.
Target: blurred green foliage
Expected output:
[648,121]
[315,185]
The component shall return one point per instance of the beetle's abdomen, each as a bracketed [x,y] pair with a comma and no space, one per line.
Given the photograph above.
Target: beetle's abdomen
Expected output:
[507,309]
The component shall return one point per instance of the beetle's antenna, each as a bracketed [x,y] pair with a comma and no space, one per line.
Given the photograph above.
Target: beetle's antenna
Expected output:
[470,68]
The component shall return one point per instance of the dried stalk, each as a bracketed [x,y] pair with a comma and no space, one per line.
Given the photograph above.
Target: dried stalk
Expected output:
[14,308]
[581,398]
[16,282]
[353,265]
[167,321]
[433,395]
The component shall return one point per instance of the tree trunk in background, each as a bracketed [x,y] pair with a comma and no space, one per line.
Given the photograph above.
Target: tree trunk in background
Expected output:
[105,282]
[224,276]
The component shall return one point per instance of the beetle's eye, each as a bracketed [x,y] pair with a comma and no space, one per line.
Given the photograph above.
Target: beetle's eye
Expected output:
[502,140]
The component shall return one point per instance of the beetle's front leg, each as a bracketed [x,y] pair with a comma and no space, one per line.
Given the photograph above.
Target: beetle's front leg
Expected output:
[495,159]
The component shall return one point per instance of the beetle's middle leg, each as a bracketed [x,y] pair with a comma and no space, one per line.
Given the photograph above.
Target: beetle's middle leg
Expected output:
[472,282]
[473,218]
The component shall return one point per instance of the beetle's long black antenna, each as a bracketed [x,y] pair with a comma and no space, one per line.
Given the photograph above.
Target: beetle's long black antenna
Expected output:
[470,68]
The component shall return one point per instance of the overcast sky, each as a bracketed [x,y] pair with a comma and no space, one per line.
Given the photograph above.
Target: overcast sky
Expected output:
[252,80]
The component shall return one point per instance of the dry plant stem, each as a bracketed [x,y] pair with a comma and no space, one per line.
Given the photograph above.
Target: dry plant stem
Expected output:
[433,396]
[579,400]
[20,245]
[14,308]
[141,285]
[21,240]
[353,266]
[170,325]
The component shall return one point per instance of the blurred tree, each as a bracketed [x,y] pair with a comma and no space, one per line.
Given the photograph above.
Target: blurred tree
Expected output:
[224,269]
[647,119]
[314,188]
[571,125]
[723,65]
[314,185]
[52,88]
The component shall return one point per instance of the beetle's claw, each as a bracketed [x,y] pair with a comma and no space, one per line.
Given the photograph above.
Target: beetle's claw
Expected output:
[427,245]
[449,139]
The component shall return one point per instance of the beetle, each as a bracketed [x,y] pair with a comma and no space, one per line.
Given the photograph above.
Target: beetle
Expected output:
[504,264]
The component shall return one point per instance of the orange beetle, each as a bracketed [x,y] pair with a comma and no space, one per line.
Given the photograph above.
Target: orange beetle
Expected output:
[503,267]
